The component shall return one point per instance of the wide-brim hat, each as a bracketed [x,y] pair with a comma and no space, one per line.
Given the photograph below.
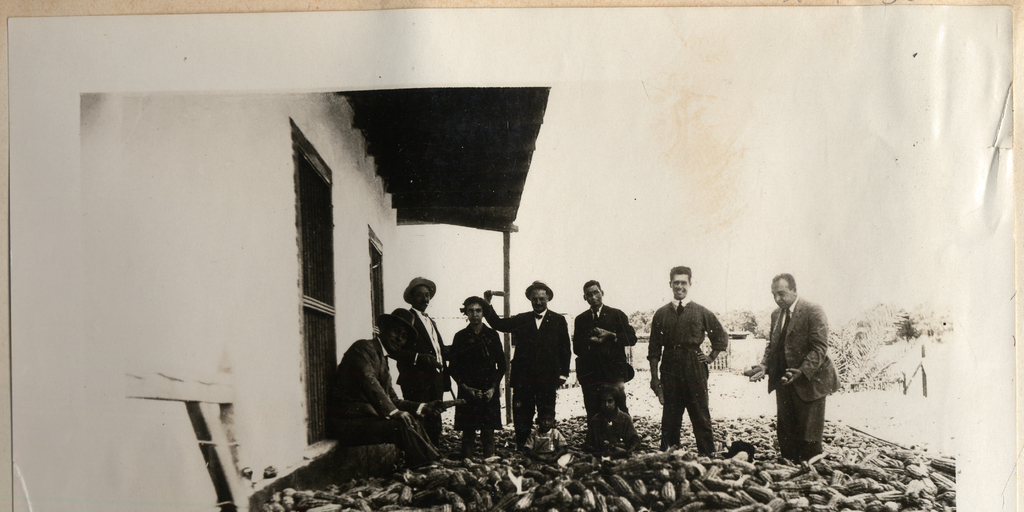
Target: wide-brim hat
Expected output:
[401,317]
[542,286]
[419,281]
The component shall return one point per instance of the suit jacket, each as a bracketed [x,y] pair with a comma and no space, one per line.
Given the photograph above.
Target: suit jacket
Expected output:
[417,371]
[806,348]
[606,360]
[361,387]
[541,355]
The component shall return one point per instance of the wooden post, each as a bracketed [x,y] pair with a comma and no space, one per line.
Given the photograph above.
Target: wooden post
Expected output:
[924,381]
[506,237]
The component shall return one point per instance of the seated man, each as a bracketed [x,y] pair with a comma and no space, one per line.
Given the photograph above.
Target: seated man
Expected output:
[610,432]
[362,407]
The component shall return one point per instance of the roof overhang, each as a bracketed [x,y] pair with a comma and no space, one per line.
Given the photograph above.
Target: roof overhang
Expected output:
[452,155]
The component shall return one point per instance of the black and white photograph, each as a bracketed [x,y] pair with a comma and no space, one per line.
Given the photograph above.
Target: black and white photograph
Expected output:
[481,260]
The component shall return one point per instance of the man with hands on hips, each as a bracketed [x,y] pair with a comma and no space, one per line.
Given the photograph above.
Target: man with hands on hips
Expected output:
[677,331]
[540,363]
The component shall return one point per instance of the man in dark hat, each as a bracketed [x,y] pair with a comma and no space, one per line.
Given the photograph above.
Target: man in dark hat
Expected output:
[541,361]
[421,362]
[599,339]
[362,407]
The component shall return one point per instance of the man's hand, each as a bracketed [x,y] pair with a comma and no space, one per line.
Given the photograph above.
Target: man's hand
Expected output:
[434,408]
[755,372]
[487,296]
[704,358]
[488,395]
[791,375]
[470,392]
[602,335]
[431,360]
[658,389]
[406,418]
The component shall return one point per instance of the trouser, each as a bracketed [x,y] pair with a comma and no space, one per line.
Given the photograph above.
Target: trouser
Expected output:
[486,439]
[375,430]
[423,392]
[592,397]
[686,389]
[527,399]
[800,424]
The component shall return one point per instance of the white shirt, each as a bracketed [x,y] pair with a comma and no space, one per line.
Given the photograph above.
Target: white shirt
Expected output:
[430,331]
[541,319]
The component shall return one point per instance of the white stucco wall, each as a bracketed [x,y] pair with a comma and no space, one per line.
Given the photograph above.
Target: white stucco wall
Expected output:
[185,258]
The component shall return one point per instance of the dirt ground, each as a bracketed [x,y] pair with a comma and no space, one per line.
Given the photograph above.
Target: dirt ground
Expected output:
[910,420]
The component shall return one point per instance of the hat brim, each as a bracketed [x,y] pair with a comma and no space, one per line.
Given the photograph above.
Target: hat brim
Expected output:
[419,281]
[386,320]
[532,287]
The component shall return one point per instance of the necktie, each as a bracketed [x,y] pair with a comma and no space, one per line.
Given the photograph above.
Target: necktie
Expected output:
[784,324]
[679,309]
[538,316]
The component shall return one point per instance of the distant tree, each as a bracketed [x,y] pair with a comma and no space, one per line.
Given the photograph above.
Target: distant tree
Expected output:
[739,320]
[641,321]
[906,328]
[931,323]
[764,323]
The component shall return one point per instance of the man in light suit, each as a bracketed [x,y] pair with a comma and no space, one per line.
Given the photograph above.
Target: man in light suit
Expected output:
[799,370]
[541,361]
[421,364]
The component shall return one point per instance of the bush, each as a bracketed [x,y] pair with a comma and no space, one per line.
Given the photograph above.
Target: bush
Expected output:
[854,349]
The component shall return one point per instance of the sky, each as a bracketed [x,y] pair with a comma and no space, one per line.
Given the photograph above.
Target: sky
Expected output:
[747,157]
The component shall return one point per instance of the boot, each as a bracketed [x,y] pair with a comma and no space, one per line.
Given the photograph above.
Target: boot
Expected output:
[487,439]
[468,440]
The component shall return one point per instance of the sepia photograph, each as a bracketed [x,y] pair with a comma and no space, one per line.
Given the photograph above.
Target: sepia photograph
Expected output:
[615,259]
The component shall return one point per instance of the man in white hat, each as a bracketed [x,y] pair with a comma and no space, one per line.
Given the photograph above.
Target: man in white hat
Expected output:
[541,361]
[421,363]
[362,407]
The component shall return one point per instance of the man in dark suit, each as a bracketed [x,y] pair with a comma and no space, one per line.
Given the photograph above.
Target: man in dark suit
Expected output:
[421,367]
[599,340]
[541,361]
[799,370]
[362,407]
[677,331]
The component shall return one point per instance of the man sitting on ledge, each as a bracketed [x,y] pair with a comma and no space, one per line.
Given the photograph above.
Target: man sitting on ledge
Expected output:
[362,407]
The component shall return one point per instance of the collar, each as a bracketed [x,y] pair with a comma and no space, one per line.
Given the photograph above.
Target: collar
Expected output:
[421,314]
[539,316]
[686,302]
[598,312]
[792,307]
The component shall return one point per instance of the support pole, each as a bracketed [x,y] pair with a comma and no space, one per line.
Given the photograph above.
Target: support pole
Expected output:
[507,241]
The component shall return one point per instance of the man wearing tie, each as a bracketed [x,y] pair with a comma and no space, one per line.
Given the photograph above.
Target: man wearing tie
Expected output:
[678,329]
[599,339]
[799,370]
[421,370]
[541,361]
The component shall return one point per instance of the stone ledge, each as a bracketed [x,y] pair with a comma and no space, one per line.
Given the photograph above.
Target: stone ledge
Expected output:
[330,464]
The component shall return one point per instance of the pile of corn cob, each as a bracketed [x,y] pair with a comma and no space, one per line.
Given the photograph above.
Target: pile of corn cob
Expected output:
[854,473]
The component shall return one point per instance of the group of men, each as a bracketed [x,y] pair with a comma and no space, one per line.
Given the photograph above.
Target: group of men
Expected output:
[363,407]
